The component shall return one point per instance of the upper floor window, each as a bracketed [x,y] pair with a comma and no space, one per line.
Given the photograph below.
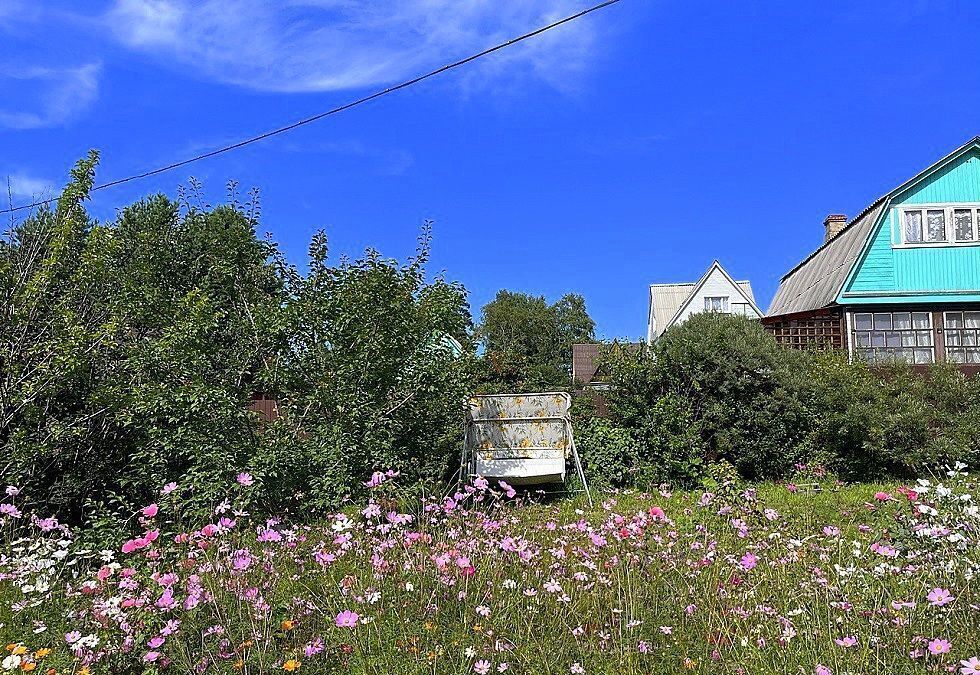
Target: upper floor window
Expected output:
[941,224]
[716,304]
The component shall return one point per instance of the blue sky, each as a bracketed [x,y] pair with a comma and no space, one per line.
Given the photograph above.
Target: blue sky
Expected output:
[632,147]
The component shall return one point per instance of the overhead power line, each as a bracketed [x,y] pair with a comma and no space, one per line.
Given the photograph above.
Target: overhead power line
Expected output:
[333,111]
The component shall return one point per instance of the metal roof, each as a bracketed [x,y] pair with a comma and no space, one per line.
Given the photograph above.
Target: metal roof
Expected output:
[815,282]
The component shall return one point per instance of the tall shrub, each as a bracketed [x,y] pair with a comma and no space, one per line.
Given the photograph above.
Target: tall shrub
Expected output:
[715,387]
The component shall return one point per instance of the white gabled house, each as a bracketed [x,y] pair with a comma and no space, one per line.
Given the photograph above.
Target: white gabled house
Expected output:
[716,291]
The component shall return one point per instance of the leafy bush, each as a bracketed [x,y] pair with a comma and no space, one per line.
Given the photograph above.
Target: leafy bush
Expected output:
[715,387]
[719,388]
[874,422]
[130,351]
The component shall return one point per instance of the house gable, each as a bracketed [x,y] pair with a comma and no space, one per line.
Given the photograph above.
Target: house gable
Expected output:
[716,282]
[888,270]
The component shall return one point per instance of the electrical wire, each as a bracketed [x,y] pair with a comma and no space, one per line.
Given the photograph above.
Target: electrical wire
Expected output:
[333,111]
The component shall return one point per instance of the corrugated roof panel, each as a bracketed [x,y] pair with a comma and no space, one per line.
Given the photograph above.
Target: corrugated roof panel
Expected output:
[816,281]
[666,299]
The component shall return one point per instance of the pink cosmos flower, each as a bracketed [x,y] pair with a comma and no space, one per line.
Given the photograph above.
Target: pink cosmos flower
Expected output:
[846,642]
[156,642]
[822,670]
[971,666]
[748,561]
[882,496]
[168,488]
[150,657]
[939,596]
[577,668]
[347,619]
[150,511]
[481,667]
[245,479]
[938,646]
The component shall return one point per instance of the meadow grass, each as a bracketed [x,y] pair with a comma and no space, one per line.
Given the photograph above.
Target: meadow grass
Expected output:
[817,577]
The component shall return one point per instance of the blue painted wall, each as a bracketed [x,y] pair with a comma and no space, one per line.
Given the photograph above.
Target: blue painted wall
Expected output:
[889,273]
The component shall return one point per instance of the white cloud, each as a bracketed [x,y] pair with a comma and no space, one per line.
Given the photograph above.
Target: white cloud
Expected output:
[58,94]
[323,45]
[21,186]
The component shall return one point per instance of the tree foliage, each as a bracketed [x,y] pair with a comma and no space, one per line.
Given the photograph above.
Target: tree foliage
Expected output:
[130,351]
[528,343]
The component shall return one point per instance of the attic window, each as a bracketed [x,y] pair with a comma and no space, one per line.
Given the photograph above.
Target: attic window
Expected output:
[941,224]
[716,304]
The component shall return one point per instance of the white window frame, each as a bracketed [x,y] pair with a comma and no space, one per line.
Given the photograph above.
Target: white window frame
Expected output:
[948,208]
[724,303]
[946,330]
[856,351]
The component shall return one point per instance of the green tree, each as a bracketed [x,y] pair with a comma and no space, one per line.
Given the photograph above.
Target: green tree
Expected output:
[528,343]
[373,378]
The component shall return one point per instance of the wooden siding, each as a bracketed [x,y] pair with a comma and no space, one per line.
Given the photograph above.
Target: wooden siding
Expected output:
[889,272]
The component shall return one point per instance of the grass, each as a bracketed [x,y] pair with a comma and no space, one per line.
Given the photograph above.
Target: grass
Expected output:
[828,578]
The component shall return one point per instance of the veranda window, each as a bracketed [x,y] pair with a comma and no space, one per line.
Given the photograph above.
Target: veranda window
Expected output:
[963,337]
[880,337]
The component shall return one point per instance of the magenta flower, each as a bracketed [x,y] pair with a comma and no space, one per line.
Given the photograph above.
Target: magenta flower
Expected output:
[245,479]
[347,619]
[150,511]
[939,646]
[939,596]
[748,561]
[971,666]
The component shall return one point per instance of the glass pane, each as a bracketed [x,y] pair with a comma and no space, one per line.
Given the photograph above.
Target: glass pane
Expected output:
[953,338]
[963,224]
[864,354]
[972,356]
[936,225]
[956,356]
[906,355]
[971,319]
[969,338]
[913,226]
[921,320]
[923,356]
[954,319]
[902,320]
[924,338]
[908,339]
[878,339]
[893,339]
[862,322]
[883,321]
[863,339]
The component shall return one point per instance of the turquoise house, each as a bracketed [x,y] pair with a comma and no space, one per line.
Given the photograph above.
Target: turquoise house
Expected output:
[901,280]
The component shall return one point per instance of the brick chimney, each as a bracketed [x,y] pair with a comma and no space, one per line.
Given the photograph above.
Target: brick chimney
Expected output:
[833,224]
